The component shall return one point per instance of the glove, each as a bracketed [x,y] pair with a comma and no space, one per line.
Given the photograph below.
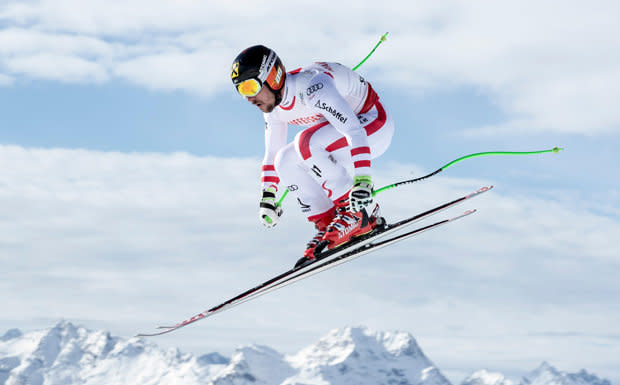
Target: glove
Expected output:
[269,212]
[361,193]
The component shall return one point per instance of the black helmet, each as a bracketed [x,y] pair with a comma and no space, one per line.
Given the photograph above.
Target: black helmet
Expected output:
[261,66]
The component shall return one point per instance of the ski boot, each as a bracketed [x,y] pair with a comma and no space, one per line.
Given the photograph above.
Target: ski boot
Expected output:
[349,224]
[316,244]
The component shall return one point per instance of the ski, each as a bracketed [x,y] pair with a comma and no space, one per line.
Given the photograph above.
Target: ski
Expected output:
[367,248]
[390,228]
[330,258]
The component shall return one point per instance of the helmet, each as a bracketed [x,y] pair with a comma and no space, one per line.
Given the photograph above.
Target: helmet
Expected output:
[257,66]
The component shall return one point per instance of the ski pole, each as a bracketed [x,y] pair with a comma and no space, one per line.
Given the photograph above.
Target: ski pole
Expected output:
[381,40]
[554,150]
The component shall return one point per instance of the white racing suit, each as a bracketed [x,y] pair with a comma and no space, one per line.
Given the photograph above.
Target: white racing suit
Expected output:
[347,127]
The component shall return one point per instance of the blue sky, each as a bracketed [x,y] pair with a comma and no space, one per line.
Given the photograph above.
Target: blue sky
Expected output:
[431,129]
[122,117]
[130,176]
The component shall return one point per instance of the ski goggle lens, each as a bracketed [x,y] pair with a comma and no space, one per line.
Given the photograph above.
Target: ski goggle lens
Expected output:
[248,88]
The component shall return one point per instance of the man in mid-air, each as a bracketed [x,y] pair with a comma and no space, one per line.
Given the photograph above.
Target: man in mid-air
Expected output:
[328,165]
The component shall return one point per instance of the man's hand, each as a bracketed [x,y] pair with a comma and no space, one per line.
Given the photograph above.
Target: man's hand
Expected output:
[269,211]
[361,193]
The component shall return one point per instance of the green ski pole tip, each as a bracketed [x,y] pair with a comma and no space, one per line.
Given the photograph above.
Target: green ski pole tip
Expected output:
[384,37]
[557,149]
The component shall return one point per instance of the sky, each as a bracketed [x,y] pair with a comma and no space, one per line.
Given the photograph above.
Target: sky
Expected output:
[130,176]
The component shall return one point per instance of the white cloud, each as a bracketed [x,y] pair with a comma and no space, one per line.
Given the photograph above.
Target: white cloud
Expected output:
[67,58]
[20,41]
[69,69]
[198,71]
[127,241]
[550,67]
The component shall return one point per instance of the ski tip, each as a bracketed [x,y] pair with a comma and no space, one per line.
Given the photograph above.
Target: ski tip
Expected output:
[142,335]
[165,329]
[466,213]
[481,190]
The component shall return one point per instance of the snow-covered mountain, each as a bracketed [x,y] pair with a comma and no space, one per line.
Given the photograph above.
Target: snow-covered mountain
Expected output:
[548,375]
[545,374]
[66,354]
[361,356]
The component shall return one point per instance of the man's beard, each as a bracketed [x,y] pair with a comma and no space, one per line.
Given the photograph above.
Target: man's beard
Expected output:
[270,108]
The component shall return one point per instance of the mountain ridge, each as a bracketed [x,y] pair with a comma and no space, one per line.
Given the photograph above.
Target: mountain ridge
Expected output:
[67,354]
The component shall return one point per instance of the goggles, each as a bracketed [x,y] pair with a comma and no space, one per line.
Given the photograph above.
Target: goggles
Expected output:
[250,87]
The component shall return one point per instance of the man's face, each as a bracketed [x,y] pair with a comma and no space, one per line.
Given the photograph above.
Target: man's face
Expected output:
[265,100]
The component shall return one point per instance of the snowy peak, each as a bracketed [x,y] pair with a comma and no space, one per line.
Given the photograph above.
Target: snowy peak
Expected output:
[57,345]
[546,374]
[363,343]
[402,344]
[544,370]
[213,358]
[11,334]
[254,364]
[358,355]
[483,377]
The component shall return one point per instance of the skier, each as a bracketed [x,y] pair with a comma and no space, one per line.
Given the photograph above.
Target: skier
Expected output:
[328,165]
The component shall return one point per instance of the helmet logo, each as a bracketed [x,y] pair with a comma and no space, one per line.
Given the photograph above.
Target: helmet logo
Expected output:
[279,75]
[275,78]
[262,65]
[235,70]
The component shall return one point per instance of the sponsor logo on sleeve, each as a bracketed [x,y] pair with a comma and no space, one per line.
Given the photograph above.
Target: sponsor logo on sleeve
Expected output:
[305,208]
[336,114]
[316,170]
[313,88]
